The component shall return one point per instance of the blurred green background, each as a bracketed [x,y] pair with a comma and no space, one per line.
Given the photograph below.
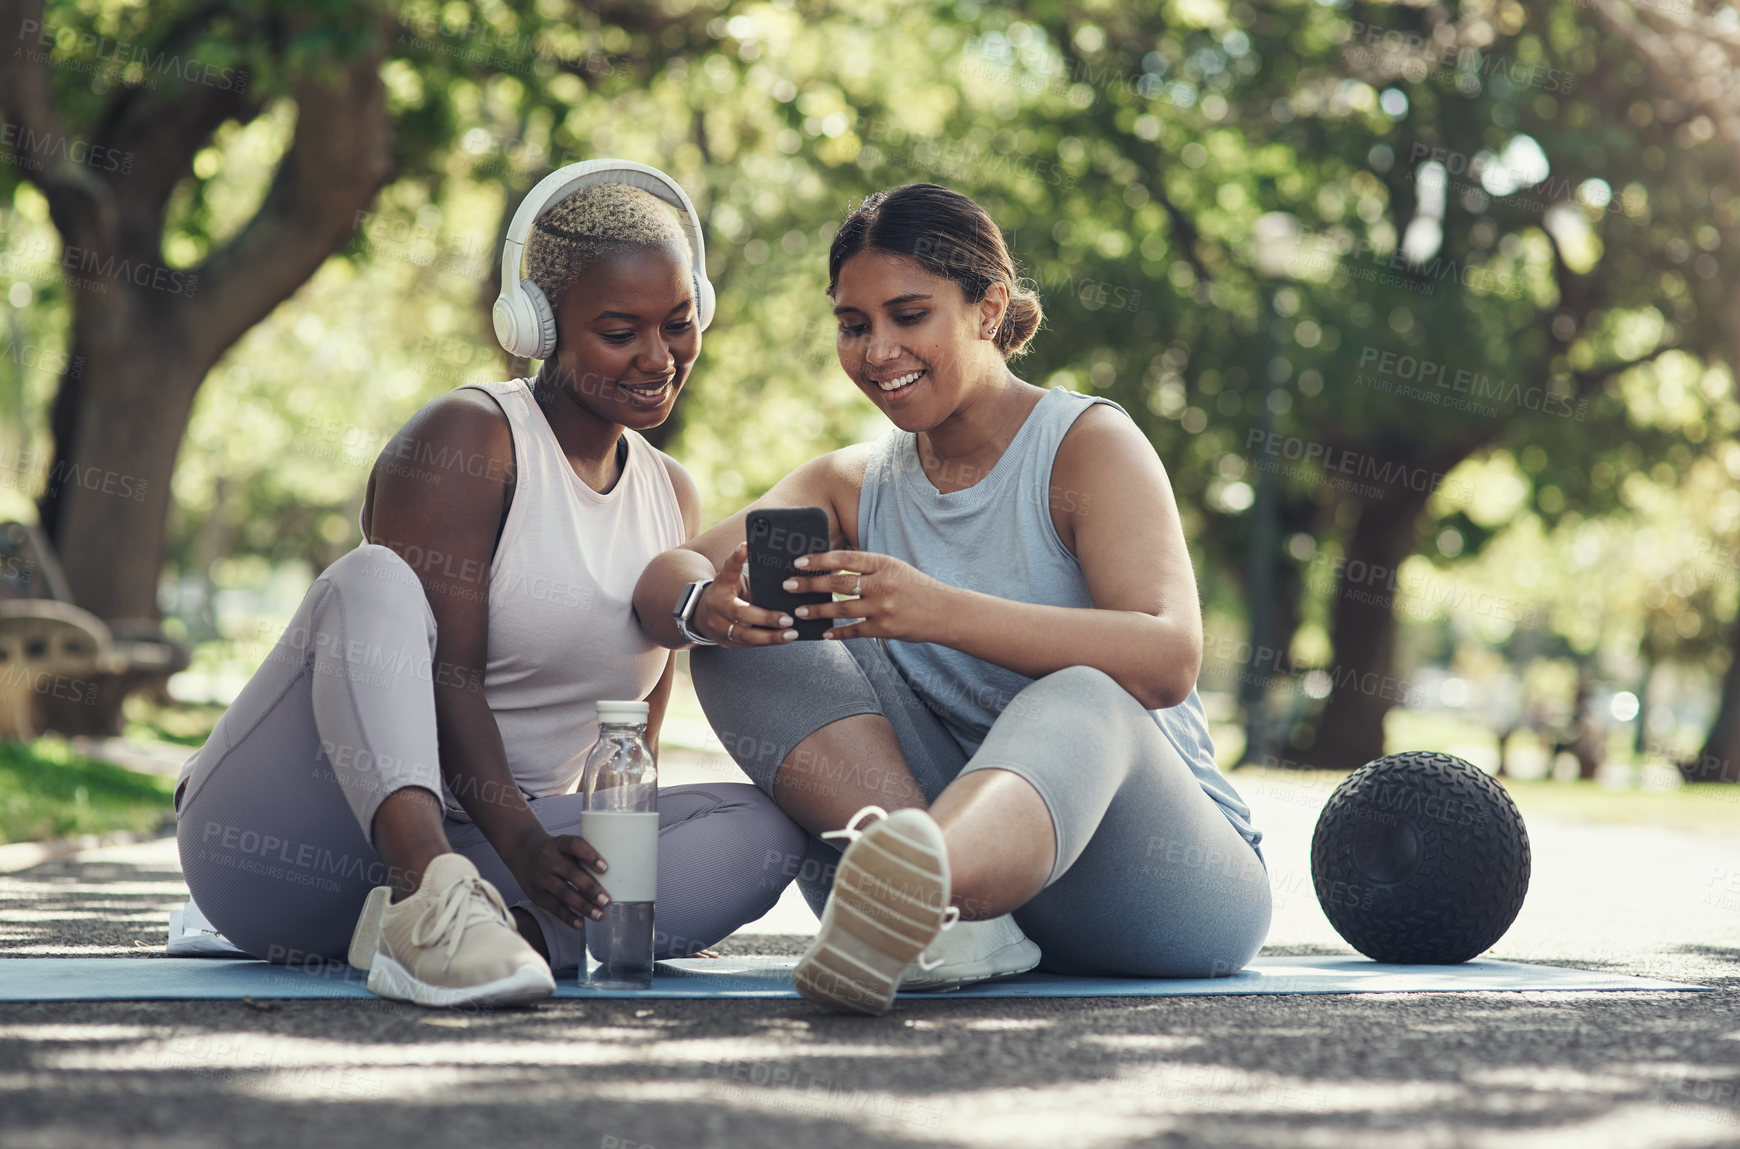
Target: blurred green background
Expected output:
[1427,307]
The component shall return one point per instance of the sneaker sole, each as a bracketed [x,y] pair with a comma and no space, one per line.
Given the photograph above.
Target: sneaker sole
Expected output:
[367,937]
[888,903]
[1015,958]
[389,979]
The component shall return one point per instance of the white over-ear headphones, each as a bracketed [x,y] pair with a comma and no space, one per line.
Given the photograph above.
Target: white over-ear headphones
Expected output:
[524,321]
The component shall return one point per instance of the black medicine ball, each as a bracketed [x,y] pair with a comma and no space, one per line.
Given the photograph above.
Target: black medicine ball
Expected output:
[1420,858]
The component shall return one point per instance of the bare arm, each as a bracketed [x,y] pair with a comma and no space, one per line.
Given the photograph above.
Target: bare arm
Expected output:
[831,482]
[1114,508]
[444,522]
[689,502]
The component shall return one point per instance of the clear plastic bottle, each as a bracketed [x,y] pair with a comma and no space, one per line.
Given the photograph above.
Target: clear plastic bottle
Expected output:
[621,821]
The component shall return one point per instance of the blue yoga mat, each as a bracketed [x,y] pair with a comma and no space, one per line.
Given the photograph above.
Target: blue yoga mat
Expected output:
[154,979]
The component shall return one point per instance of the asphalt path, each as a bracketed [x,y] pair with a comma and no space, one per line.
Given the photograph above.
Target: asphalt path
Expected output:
[1385,1071]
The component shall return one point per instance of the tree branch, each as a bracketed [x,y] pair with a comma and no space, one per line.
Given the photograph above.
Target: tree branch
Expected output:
[1675,71]
[81,203]
[1587,381]
[339,157]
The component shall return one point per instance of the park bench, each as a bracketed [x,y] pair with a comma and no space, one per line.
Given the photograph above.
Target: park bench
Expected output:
[61,667]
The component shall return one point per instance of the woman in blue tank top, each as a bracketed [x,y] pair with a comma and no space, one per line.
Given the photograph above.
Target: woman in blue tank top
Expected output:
[1013,674]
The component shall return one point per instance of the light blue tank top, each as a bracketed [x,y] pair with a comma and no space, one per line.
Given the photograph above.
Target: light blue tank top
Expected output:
[997,537]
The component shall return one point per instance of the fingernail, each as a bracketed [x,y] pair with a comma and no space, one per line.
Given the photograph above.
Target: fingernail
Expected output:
[804,562]
[803,612]
[597,915]
[789,584]
[785,620]
[790,635]
[603,865]
[604,899]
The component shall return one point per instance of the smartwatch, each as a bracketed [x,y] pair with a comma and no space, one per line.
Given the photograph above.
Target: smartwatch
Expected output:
[685,611]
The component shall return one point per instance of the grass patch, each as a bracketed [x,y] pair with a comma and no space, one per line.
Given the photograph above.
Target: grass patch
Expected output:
[1706,808]
[184,724]
[47,791]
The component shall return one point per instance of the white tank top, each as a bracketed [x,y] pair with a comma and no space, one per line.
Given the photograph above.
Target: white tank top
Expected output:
[562,629]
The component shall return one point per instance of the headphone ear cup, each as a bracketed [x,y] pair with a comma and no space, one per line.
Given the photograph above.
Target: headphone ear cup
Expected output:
[543,321]
[704,301]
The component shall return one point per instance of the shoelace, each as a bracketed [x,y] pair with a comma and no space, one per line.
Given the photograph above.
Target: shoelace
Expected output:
[852,831]
[464,904]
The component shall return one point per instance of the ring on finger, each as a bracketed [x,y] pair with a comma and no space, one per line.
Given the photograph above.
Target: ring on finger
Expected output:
[858,586]
[730,629]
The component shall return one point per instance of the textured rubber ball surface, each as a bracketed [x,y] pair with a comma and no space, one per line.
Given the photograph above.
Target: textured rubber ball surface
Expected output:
[1420,858]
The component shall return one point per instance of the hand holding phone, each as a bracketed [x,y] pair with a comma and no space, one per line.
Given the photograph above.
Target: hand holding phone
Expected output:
[778,537]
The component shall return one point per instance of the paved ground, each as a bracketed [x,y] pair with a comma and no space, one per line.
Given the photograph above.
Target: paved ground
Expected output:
[1507,1071]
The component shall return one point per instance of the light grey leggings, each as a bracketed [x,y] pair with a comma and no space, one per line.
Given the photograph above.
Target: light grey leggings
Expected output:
[275,809]
[1151,879]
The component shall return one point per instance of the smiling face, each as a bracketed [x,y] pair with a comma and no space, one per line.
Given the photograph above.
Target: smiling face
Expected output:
[626,336]
[910,340]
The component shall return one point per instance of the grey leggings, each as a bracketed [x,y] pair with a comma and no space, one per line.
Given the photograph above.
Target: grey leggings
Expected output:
[1151,879]
[275,810]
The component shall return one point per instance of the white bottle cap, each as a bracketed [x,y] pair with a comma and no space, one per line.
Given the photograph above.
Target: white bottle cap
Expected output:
[630,712]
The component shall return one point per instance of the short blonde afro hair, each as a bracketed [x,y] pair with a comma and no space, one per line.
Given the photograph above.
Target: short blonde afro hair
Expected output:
[597,222]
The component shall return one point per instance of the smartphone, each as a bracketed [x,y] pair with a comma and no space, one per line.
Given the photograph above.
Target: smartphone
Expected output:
[778,537]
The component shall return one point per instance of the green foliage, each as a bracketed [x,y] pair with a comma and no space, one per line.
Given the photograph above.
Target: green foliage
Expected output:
[1573,316]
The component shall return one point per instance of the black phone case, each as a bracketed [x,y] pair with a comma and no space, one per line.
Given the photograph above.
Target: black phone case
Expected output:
[778,536]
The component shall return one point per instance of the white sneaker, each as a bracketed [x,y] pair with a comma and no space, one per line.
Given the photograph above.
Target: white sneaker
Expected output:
[967,952]
[890,900]
[191,935]
[450,943]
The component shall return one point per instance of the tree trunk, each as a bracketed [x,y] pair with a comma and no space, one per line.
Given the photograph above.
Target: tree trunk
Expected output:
[1350,731]
[1719,760]
[108,491]
[144,335]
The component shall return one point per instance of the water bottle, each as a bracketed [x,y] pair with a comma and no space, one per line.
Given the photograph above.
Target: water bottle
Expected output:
[621,821]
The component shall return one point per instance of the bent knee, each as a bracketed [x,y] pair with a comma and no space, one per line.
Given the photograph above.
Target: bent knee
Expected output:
[706,666]
[375,577]
[369,564]
[1078,686]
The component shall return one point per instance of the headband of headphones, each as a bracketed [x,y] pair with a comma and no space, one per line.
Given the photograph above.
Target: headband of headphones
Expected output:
[524,321]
